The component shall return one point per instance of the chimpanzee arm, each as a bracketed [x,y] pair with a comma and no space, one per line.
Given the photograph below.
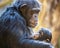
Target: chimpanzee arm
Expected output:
[35,44]
[19,39]
[16,36]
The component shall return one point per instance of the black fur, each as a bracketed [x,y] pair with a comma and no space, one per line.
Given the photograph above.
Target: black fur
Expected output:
[14,32]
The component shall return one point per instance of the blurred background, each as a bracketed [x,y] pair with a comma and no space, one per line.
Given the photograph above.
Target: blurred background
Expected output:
[49,17]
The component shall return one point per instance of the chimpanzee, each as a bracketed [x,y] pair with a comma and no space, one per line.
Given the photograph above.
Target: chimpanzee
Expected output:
[44,35]
[16,24]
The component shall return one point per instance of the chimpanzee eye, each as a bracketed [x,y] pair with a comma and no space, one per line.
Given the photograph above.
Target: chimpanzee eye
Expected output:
[35,16]
[37,11]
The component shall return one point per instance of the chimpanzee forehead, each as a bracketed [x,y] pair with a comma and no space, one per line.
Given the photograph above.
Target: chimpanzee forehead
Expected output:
[35,6]
[34,3]
[30,3]
[27,0]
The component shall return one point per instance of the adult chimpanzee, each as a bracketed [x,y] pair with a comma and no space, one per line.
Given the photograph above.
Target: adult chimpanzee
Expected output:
[15,25]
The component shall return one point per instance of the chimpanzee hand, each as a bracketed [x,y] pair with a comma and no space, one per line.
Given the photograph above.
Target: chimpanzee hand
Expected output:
[45,35]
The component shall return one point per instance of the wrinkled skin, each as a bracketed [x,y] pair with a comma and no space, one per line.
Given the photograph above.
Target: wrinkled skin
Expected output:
[14,23]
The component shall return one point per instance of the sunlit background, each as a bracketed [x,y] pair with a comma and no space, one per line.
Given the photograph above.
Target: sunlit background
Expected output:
[49,17]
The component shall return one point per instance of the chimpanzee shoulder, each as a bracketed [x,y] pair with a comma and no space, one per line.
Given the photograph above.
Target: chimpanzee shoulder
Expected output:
[10,17]
[12,13]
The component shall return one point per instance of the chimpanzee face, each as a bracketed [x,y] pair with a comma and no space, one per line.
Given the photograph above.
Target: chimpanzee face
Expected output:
[30,12]
[33,13]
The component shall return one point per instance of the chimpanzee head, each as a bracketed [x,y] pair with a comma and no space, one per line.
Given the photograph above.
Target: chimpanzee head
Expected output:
[45,35]
[29,9]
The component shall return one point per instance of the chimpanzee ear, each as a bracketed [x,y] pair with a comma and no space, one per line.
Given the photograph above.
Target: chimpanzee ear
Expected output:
[23,7]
